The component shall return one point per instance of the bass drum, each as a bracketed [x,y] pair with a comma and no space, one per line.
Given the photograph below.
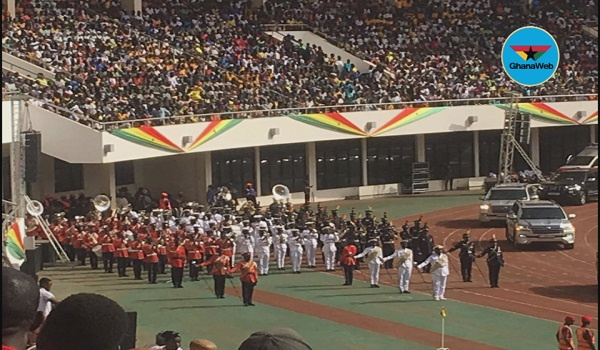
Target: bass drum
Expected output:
[97,250]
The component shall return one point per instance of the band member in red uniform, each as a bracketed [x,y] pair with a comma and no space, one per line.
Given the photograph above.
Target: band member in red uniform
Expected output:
[177,262]
[226,244]
[210,247]
[161,249]
[90,240]
[165,202]
[151,260]
[137,257]
[220,269]
[77,242]
[249,277]
[108,252]
[193,256]
[349,262]
[121,253]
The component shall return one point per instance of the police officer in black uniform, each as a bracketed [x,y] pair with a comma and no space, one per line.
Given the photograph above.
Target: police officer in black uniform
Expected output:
[388,240]
[368,222]
[426,245]
[495,260]
[466,256]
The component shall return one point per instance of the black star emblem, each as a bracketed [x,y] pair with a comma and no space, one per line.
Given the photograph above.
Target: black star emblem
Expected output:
[530,54]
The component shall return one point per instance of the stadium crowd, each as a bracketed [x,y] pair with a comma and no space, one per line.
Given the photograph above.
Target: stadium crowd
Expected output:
[191,57]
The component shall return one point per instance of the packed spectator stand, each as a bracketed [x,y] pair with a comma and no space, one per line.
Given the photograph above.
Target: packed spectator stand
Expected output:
[202,57]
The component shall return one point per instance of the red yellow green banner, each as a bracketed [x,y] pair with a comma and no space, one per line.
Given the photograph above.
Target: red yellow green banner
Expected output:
[15,249]
[543,111]
[407,116]
[330,121]
[214,129]
[591,119]
[147,136]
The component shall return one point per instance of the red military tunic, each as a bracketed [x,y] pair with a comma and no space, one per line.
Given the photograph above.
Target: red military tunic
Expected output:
[177,256]
[120,248]
[226,246]
[150,253]
[348,254]
[220,264]
[107,244]
[135,250]
[248,269]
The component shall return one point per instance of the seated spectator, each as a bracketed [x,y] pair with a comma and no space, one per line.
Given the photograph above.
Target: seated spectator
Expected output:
[20,298]
[275,339]
[202,344]
[84,321]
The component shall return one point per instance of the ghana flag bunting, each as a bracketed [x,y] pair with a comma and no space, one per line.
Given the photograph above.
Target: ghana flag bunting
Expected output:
[592,118]
[407,116]
[331,121]
[214,129]
[541,110]
[147,136]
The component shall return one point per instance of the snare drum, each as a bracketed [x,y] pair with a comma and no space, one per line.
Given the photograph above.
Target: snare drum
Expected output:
[97,250]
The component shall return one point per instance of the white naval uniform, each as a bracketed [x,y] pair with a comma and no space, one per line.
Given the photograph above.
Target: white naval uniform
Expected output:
[311,241]
[329,249]
[295,244]
[263,249]
[375,259]
[280,243]
[439,273]
[405,268]
[246,245]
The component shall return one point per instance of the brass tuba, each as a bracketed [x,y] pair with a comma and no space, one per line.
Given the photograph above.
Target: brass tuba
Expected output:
[101,202]
[280,192]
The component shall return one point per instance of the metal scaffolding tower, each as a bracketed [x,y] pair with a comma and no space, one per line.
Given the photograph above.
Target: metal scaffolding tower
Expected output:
[509,144]
[19,106]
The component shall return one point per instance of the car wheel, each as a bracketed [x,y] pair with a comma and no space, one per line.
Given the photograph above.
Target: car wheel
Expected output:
[582,198]
[570,246]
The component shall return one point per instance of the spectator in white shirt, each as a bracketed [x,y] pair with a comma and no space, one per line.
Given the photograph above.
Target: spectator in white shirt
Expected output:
[47,299]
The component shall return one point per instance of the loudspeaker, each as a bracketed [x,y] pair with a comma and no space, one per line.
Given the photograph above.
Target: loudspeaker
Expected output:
[523,136]
[129,339]
[33,147]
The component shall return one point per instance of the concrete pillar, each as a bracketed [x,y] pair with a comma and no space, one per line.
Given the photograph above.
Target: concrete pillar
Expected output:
[102,178]
[257,185]
[593,136]
[11,7]
[363,162]
[535,146]
[420,147]
[311,164]
[203,167]
[476,152]
[131,6]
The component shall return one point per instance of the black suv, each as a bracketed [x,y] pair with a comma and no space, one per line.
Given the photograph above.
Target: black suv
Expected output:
[576,186]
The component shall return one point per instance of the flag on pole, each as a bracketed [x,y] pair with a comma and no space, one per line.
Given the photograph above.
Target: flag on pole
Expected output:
[443,312]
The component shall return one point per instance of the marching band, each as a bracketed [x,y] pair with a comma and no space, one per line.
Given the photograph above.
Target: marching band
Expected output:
[198,237]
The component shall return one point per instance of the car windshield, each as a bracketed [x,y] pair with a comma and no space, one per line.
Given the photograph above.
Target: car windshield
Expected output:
[580,160]
[542,213]
[571,176]
[515,194]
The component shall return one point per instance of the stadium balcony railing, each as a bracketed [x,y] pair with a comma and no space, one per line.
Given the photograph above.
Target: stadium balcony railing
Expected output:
[186,119]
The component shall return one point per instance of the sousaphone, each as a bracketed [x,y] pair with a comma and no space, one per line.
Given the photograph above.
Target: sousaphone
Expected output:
[280,192]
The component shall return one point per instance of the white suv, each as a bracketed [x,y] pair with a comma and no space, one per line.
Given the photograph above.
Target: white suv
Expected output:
[499,199]
[539,221]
